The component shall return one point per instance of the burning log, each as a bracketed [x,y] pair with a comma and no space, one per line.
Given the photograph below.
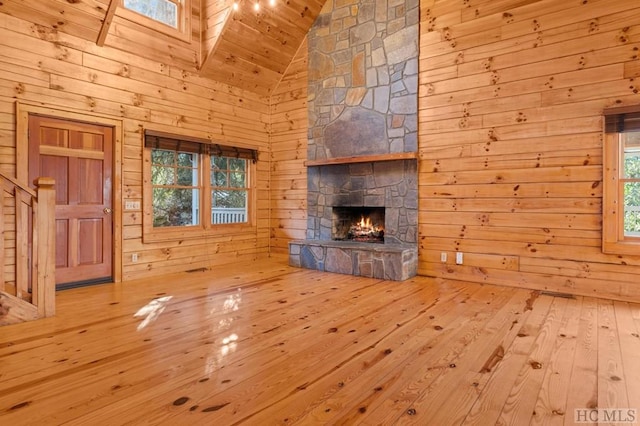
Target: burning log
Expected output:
[366,231]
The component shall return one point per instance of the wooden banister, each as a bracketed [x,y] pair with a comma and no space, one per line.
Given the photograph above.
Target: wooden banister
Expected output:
[44,297]
[27,246]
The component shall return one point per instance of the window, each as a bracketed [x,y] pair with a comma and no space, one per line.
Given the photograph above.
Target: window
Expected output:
[174,179]
[229,189]
[621,198]
[165,11]
[195,186]
[168,16]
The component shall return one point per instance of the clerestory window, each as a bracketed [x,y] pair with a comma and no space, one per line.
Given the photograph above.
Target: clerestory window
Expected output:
[171,17]
[165,11]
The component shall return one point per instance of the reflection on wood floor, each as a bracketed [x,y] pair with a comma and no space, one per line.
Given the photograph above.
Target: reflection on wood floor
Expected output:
[269,344]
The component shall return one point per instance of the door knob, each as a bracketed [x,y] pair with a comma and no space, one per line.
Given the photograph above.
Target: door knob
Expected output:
[107,210]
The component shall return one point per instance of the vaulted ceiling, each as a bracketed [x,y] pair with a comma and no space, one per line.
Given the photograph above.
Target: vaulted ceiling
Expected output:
[243,48]
[254,49]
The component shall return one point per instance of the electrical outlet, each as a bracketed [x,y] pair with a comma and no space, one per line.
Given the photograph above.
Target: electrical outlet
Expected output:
[459,258]
[443,257]
[134,257]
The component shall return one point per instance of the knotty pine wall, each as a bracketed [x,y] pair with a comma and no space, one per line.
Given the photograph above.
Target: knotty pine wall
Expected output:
[288,153]
[56,70]
[510,141]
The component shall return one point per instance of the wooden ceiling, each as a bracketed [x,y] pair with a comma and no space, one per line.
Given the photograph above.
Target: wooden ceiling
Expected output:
[242,48]
[254,49]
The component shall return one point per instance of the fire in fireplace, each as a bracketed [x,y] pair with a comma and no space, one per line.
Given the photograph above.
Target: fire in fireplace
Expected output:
[359,224]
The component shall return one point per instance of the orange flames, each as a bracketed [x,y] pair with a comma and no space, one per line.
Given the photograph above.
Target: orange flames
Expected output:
[365,224]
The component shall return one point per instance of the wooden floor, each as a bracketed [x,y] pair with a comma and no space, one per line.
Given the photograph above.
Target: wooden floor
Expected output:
[269,344]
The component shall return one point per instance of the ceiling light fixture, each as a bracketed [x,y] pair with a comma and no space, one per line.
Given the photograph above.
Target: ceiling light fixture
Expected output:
[256,5]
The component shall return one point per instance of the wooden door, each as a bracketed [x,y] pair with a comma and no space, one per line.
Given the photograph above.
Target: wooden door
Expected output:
[79,157]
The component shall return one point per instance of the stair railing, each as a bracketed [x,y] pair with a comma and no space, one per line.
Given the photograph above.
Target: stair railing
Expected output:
[27,242]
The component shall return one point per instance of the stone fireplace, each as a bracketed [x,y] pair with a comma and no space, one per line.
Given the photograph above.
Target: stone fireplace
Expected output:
[362,144]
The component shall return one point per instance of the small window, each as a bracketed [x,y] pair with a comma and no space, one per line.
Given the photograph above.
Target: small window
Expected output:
[165,11]
[170,17]
[194,186]
[621,197]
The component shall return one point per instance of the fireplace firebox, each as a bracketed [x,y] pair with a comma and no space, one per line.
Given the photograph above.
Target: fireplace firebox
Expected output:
[358,224]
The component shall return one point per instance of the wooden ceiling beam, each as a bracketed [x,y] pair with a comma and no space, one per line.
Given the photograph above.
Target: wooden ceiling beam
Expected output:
[106,24]
[212,34]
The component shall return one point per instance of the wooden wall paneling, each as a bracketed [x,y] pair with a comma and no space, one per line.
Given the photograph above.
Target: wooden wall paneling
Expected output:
[288,154]
[56,15]
[558,15]
[528,103]
[479,9]
[542,158]
[128,36]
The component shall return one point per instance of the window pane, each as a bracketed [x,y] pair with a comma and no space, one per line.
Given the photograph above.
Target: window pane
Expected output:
[175,207]
[175,193]
[187,177]
[631,161]
[229,198]
[632,208]
[228,206]
[219,179]
[219,162]
[187,159]
[164,11]
[162,175]
[161,156]
[237,164]
[237,180]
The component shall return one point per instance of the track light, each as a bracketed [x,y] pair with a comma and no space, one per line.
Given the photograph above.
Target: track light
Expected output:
[256,6]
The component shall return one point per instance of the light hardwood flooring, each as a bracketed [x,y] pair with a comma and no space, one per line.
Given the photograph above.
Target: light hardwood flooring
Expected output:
[265,344]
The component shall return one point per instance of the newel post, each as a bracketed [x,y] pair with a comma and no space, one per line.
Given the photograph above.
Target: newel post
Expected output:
[45,295]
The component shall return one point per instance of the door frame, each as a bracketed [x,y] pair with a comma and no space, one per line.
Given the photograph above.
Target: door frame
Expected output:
[22,162]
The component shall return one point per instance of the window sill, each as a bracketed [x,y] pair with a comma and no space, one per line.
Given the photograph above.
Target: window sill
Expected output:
[622,247]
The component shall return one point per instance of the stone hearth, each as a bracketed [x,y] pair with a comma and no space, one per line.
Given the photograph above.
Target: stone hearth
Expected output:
[396,262]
